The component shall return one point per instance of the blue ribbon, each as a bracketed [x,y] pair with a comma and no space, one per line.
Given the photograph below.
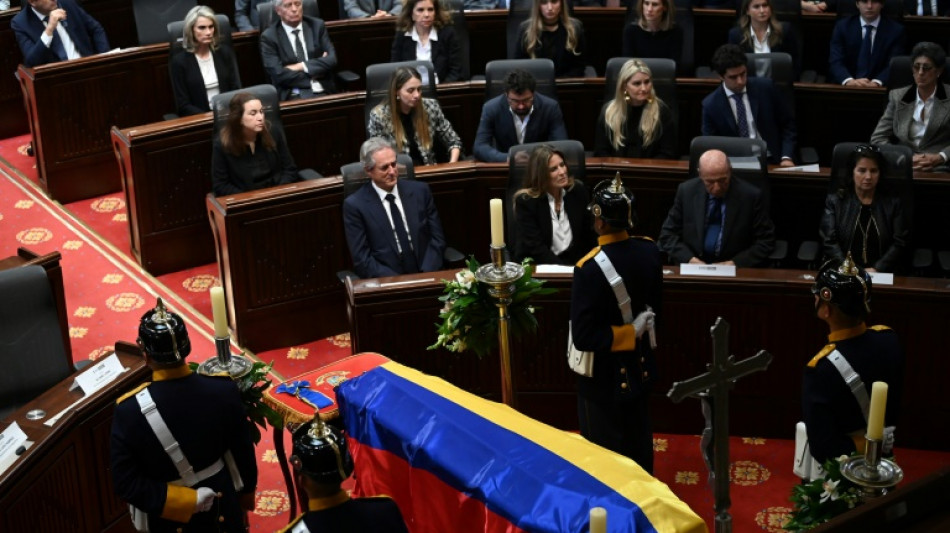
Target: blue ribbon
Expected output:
[301,389]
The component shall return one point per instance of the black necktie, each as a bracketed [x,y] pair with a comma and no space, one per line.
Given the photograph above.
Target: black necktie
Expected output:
[742,121]
[408,258]
[56,44]
[713,241]
[864,54]
[298,46]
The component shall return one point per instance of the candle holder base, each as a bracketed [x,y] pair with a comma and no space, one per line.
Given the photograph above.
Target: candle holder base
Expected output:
[238,367]
[874,480]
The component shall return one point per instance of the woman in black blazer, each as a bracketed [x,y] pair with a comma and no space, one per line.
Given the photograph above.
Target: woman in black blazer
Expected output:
[758,31]
[205,67]
[554,225]
[424,32]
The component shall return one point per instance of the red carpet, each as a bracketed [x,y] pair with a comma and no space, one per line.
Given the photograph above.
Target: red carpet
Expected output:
[106,293]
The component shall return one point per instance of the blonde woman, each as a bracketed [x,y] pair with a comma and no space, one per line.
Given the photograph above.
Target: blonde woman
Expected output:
[205,67]
[413,124]
[635,123]
[551,34]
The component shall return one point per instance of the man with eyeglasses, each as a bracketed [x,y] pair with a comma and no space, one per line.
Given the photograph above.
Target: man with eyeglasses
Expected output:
[717,219]
[918,115]
[862,46]
[297,53]
[518,116]
[392,226]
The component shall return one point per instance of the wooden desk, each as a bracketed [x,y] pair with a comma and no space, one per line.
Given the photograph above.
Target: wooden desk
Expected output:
[62,482]
[767,309]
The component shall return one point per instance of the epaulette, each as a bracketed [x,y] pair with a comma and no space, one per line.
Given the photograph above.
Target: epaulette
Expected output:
[880,327]
[642,238]
[824,351]
[132,392]
[587,257]
[291,524]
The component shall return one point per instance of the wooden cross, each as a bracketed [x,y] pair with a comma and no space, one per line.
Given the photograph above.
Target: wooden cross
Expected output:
[714,385]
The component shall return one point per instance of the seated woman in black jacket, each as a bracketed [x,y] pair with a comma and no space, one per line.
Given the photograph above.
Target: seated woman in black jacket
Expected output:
[550,33]
[247,155]
[864,218]
[758,32]
[205,67]
[653,33]
[424,32]
[635,122]
[554,225]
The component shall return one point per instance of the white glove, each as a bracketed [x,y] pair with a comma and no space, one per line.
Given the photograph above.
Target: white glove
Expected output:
[205,499]
[643,322]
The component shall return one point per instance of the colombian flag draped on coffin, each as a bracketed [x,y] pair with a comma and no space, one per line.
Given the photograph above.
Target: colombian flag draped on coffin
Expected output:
[457,462]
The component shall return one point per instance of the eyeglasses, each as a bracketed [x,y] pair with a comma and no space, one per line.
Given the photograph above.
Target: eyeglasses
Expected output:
[922,67]
[866,149]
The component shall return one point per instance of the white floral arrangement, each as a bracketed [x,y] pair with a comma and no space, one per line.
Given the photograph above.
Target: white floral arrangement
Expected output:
[820,500]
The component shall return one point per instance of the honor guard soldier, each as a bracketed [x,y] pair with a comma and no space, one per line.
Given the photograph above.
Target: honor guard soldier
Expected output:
[618,280]
[321,458]
[837,381]
[182,454]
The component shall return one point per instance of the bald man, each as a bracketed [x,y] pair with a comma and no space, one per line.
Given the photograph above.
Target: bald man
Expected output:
[717,218]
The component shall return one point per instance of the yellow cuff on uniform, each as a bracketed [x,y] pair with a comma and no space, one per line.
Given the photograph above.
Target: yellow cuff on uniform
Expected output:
[625,338]
[179,503]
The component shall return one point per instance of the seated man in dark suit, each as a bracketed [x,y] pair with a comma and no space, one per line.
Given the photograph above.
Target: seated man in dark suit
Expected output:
[748,107]
[297,53]
[391,228]
[245,14]
[927,8]
[323,462]
[48,32]
[862,46]
[716,218]
[355,9]
[518,116]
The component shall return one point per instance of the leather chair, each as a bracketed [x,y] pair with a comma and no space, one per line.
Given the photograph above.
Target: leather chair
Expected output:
[664,80]
[31,344]
[377,83]
[267,94]
[749,163]
[152,17]
[355,177]
[541,69]
[686,66]
[574,157]
[782,73]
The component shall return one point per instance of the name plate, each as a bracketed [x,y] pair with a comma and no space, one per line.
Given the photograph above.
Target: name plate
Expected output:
[11,440]
[882,278]
[101,374]
[689,269]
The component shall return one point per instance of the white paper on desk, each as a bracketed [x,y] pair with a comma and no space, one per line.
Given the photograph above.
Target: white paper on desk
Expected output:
[12,438]
[802,168]
[553,269]
[882,278]
[689,269]
[101,374]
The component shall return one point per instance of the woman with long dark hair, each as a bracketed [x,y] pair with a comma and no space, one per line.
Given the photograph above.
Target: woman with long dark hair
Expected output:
[424,32]
[759,31]
[550,33]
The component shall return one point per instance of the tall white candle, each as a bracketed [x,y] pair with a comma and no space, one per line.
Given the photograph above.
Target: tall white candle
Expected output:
[497,223]
[876,412]
[219,312]
[598,520]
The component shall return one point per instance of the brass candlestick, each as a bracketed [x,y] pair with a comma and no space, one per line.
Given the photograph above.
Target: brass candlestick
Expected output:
[237,366]
[500,276]
[874,474]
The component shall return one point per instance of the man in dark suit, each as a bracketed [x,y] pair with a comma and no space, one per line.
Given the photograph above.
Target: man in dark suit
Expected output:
[49,31]
[355,9]
[516,117]
[181,448]
[862,46]
[716,218]
[391,228]
[748,107]
[927,8]
[245,14]
[297,53]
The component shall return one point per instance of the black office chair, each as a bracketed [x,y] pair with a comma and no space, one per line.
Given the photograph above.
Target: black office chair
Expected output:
[31,341]
[267,94]
[176,43]
[354,177]
[684,20]
[457,10]
[574,157]
[377,83]
[152,17]
[750,164]
[781,70]
[663,76]
[541,69]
